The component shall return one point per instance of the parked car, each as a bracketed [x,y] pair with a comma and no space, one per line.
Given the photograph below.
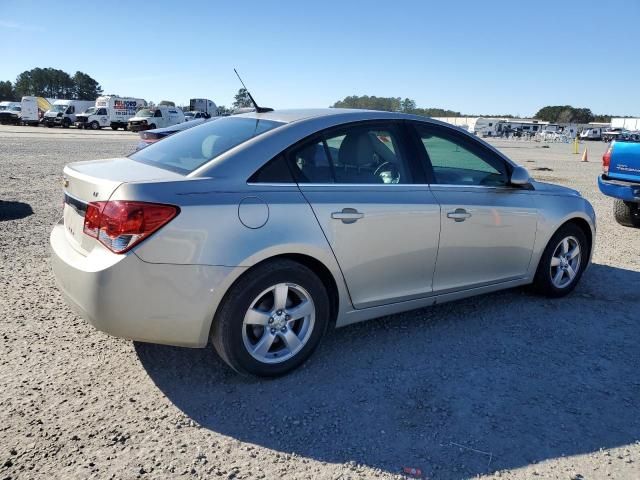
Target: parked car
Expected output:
[148,137]
[193,115]
[259,231]
[620,179]
[151,118]
[11,114]
[63,112]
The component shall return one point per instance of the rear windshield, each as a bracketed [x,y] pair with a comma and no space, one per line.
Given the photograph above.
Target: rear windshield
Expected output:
[188,150]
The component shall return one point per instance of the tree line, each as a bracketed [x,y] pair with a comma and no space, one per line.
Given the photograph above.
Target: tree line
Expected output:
[51,83]
[554,114]
[392,104]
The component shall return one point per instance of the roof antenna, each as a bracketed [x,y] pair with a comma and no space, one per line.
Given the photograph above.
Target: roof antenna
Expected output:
[258,109]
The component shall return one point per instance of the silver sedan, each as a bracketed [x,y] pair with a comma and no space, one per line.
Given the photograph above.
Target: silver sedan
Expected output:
[258,232]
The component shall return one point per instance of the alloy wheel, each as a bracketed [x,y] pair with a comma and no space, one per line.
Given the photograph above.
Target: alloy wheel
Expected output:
[279,323]
[565,262]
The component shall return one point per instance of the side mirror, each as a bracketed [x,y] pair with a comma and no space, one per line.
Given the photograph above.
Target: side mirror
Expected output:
[520,176]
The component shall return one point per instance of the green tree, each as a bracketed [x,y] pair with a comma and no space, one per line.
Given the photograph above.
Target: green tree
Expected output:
[7,93]
[408,106]
[86,88]
[564,114]
[241,99]
[222,110]
[45,82]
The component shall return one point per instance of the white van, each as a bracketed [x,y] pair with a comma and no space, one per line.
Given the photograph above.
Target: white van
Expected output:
[110,111]
[157,117]
[10,113]
[63,112]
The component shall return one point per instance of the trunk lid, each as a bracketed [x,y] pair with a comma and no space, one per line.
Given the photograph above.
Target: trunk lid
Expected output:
[94,181]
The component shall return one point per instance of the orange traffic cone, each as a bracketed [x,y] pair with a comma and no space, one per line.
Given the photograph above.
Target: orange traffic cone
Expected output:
[584,155]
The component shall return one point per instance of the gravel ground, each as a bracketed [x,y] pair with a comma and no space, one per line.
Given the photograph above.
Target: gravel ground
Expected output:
[506,385]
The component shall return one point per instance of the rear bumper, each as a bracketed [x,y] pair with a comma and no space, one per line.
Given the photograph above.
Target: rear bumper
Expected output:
[129,298]
[621,189]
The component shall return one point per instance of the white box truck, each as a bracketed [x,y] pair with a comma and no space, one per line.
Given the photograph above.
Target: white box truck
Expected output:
[203,105]
[33,109]
[157,117]
[63,112]
[110,111]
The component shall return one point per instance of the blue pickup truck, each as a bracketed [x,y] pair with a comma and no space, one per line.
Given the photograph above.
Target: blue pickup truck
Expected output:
[621,180]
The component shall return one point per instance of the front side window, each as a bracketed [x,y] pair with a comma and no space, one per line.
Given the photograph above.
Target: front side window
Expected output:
[359,155]
[158,113]
[458,161]
[188,150]
[102,111]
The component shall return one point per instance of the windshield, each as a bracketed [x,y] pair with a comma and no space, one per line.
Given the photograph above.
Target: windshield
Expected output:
[90,111]
[59,108]
[189,114]
[190,149]
[145,112]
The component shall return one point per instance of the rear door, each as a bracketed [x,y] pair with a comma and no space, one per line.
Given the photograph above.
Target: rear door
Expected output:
[488,227]
[379,216]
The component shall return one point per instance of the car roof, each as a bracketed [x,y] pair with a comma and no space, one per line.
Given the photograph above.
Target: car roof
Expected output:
[294,115]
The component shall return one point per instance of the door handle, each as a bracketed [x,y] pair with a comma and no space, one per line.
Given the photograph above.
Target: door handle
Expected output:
[459,215]
[347,215]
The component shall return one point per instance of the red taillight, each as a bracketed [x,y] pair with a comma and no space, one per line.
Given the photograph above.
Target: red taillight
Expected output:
[120,225]
[606,159]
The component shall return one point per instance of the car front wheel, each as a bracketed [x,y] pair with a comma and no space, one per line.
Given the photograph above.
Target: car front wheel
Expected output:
[272,319]
[563,262]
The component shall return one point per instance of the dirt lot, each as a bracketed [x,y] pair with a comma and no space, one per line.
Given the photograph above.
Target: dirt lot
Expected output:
[507,385]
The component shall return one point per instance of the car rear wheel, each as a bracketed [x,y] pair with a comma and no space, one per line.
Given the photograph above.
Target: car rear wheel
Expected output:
[563,262]
[114,127]
[272,319]
[626,213]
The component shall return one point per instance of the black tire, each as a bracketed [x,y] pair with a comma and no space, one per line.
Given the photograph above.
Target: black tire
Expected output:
[66,122]
[114,127]
[80,126]
[227,328]
[543,283]
[94,125]
[626,213]
[48,125]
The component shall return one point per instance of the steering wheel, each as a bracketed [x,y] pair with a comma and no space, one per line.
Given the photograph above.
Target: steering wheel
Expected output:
[390,175]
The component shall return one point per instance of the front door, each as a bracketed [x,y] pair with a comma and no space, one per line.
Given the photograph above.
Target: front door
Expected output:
[488,227]
[381,224]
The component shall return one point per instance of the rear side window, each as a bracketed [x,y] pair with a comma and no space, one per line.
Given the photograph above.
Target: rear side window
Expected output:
[188,150]
[275,171]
